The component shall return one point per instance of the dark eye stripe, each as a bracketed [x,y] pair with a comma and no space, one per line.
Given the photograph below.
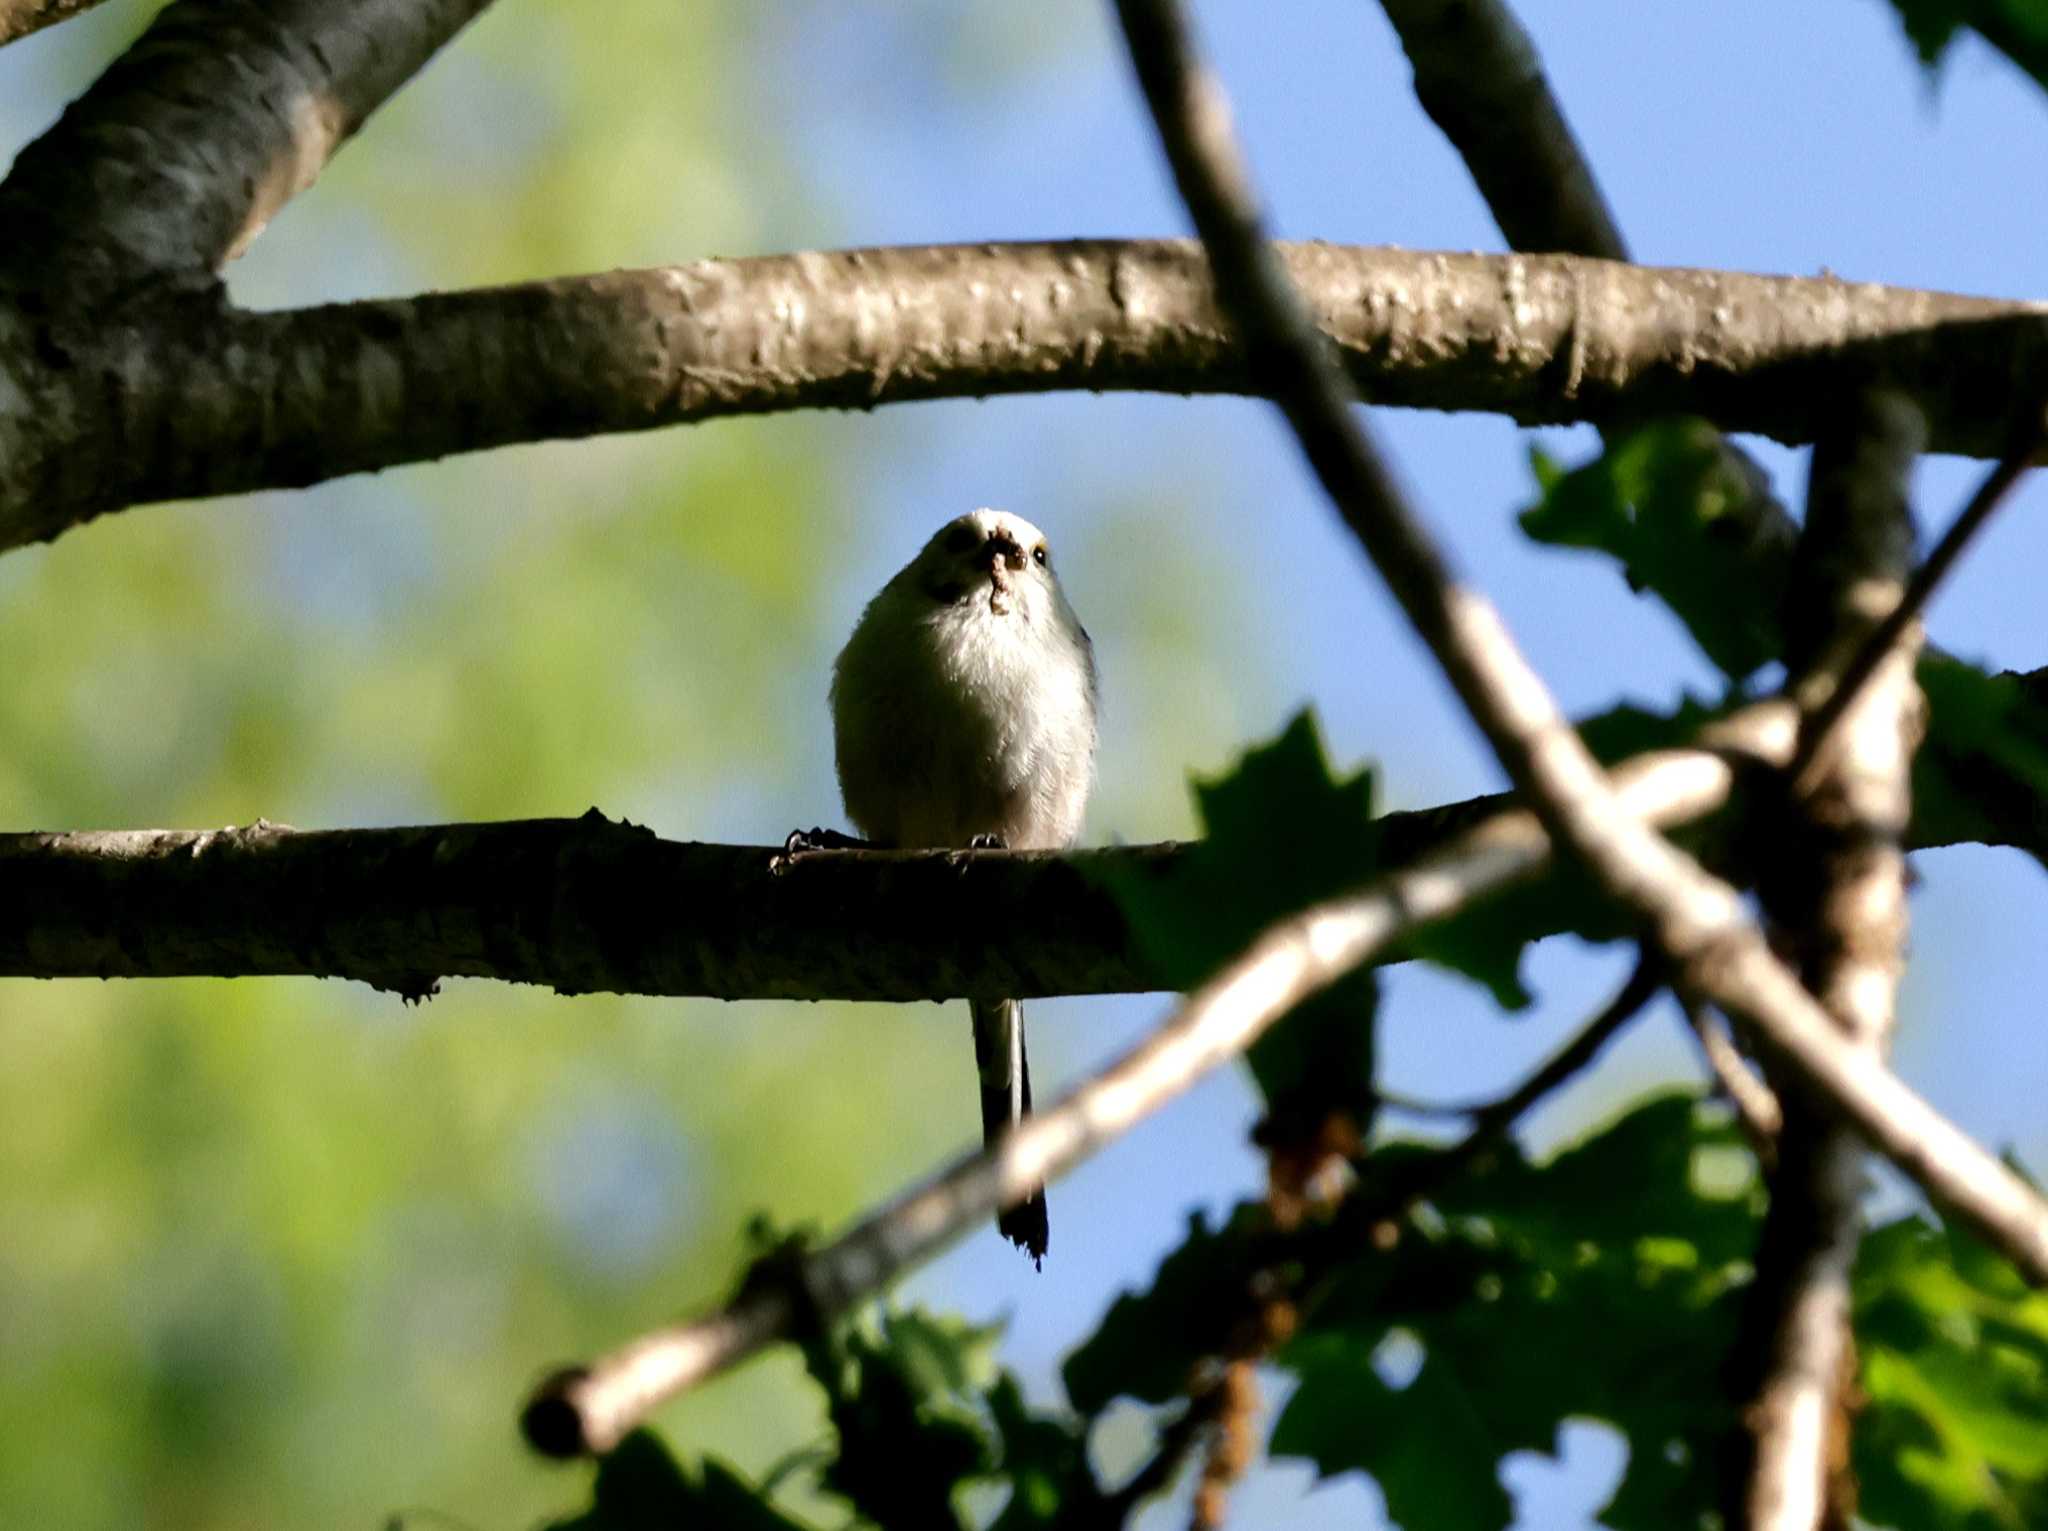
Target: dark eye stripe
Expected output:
[960,539]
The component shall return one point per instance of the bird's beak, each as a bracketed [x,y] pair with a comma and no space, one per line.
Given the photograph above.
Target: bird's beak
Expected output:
[1001,552]
[1002,557]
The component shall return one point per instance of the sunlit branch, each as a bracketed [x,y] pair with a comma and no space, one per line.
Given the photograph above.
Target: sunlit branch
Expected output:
[1836,892]
[590,1408]
[213,402]
[1695,919]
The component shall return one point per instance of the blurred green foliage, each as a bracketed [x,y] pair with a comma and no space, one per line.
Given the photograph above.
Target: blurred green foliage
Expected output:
[287,1253]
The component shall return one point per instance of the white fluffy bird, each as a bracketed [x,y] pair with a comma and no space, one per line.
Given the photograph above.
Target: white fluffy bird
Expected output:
[963,712]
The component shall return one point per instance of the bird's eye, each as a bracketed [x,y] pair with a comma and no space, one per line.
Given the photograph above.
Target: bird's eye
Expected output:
[960,539]
[1039,552]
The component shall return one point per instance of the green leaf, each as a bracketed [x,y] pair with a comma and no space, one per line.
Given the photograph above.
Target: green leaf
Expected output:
[1148,1340]
[903,1390]
[1045,1458]
[1420,1435]
[922,1409]
[1987,744]
[1601,1284]
[1667,501]
[2018,28]
[1281,832]
[1955,1370]
[640,1487]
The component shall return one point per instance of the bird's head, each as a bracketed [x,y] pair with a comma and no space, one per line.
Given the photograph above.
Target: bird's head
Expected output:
[993,557]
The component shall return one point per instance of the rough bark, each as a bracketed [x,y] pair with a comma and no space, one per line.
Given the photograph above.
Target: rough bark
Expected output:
[1478,77]
[1837,895]
[563,902]
[180,153]
[189,399]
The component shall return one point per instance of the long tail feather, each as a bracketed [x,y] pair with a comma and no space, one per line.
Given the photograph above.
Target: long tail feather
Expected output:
[1005,1072]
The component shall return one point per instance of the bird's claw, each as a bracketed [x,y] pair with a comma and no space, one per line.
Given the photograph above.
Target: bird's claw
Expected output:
[977,843]
[803,841]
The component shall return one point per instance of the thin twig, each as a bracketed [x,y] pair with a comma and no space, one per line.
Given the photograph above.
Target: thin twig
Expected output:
[1696,919]
[1756,1107]
[1489,1117]
[591,1408]
[1490,1122]
[1991,493]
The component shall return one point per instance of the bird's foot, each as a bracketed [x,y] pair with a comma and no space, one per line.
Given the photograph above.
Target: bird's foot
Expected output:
[977,843]
[802,842]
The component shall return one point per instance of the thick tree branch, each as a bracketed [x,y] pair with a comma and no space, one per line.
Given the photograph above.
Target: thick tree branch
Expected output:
[18,18]
[176,158]
[1695,919]
[589,905]
[591,1408]
[582,905]
[1837,892]
[189,401]
[1478,77]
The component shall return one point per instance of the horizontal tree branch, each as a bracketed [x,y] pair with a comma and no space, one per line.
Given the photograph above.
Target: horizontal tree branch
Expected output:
[180,153]
[588,905]
[581,905]
[187,401]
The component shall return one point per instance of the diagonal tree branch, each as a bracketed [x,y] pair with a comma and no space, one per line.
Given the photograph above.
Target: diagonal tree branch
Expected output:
[189,401]
[591,1408]
[1695,919]
[1837,892]
[221,112]
[1478,77]
[1900,627]
[18,18]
